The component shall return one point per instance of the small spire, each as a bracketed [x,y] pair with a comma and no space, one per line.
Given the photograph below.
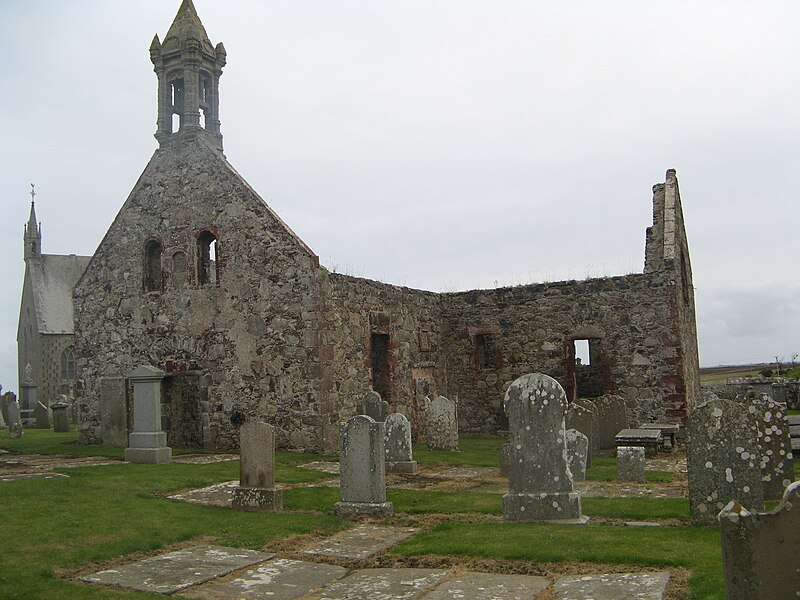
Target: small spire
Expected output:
[187,26]
[33,231]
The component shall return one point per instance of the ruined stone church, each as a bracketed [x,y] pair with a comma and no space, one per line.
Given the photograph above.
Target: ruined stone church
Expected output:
[199,277]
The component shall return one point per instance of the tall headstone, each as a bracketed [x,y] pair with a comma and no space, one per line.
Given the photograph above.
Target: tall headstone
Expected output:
[761,551]
[774,446]
[14,420]
[577,454]
[113,406]
[612,417]
[581,418]
[41,416]
[722,459]
[256,490]
[2,421]
[589,405]
[60,416]
[399,453]
[441,425]
[362,469]
[147,442]
[630,464]
[5,399]
[373,406]
[540,482]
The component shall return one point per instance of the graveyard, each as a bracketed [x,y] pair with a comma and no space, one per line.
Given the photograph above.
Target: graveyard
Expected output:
[81,510]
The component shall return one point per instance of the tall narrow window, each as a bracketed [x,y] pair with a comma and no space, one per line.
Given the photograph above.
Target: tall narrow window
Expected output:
[152,266]
[179,269]
[207,258]
[176,103]
[67,364]
[486,351]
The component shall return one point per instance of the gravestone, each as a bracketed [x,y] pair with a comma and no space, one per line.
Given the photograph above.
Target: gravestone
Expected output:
[611,415]
[60,417]
[113,407]
[148,443]
[41,416]
[581,418]
[505,459]
[362,469]
[441,425]
[589,405]
[399,456]
[722,459]
[630,464]
[372,406]
[761,551]
[256,490]
[2,421]
[540,483]
[774,446]
[577,454]
[5,399]
[14,420]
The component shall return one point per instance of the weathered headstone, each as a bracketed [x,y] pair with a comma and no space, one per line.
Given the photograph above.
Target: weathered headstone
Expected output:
[589,405]
[60,417]
[41,416]
[256,490]
[580,418]
[761,551]
[148,443]
[577,454]
[722,459]
[540,483]
[774,446]
[2,421]
[14,420]
[362,469]
[441,425]
[612,417]
[113,407]
[5,399]
[373,406]
[399,454]
[630,464]
[505,459]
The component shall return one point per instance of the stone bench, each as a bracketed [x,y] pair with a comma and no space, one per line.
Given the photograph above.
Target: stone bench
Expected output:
[649,439]
[668,430]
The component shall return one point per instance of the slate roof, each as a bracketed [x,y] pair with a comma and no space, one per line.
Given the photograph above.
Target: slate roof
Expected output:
[52,278]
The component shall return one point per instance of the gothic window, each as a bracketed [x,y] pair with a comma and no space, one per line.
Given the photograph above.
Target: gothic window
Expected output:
[207,258]
[152,266]
[67,364]
[179,269]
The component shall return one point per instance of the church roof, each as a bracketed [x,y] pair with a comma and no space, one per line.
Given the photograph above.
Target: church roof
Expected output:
[52,279]
[187,26]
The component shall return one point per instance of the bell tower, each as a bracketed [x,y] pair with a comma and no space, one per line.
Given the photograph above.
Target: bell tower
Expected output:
[188,67]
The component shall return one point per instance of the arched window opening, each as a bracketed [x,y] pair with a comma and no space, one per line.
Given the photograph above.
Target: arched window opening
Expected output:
[152,266]
[207,259]
[176,103]
[179,270]
[67,364]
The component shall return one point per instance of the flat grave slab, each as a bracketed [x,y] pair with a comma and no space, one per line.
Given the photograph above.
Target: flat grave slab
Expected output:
[278,579]
[321,465]
[647,438]
[489,586]
[362,542]
[203,459]
[219,494]
[616,586]
[173,571]
[382,584]
[16,476]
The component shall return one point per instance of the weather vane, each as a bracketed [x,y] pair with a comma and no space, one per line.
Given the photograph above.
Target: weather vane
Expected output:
[33,192]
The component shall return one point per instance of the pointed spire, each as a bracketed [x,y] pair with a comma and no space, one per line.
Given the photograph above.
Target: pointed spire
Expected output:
[33,231]
[186,27]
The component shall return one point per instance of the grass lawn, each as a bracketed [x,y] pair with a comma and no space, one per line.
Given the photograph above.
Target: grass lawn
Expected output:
[105,514]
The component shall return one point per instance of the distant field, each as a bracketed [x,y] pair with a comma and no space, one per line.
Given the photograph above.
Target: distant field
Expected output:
[722,374]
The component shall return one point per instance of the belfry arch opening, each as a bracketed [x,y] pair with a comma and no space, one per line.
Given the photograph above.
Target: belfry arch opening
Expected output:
[207,264]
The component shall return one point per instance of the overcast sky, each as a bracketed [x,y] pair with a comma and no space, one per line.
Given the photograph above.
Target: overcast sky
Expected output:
[441,145]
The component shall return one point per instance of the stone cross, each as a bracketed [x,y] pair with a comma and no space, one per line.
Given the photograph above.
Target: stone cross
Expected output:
[147,442]
[441,424]
[256,490]
[373,406]
[722,459]
[399,457]
[362,469]
[577,454]
[540,482]
[630,464]
[774,446]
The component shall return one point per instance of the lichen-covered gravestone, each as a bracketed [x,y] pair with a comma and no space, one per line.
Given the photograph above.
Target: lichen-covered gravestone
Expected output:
[580,418]
[630,464]
[612,417]
[441,425]
[362,469]
[577,454]
[257,489]
[761,551]
[399,457]
[540,482]
[41,416]
[595,436]
[774,445]
[722,459]
[373,406]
